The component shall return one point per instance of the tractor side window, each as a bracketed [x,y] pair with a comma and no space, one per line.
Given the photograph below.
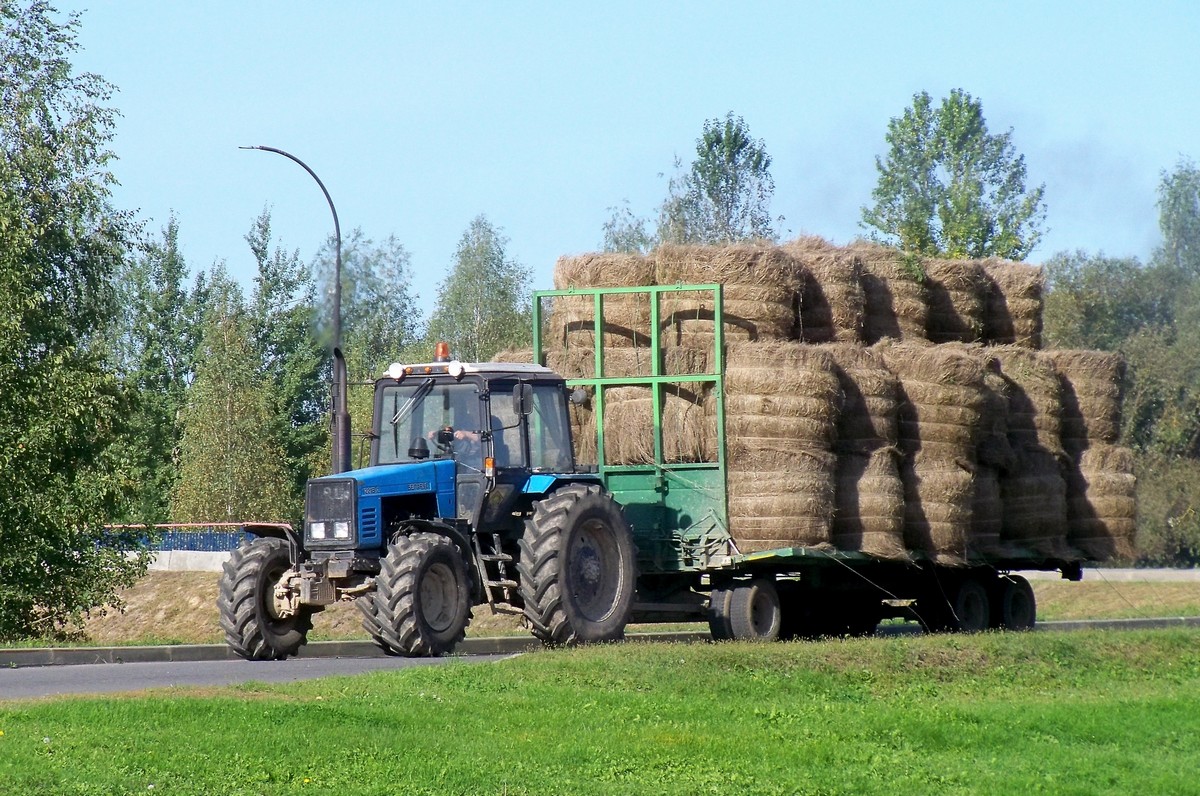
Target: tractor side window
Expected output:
[549,438]
[506,429]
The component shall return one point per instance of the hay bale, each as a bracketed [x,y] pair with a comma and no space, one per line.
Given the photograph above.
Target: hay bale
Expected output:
[867,420]
[1014,305]
[1102,503]
[625,318]
[779,397]
[938,510]
[1091,384]
[1034,493]
[759,296]
[869,504]
[831,293]
[956,291]
[1035,405]
[688,425]
[993,451]
[785,507]
[894,300]
[941,394]
[987,513]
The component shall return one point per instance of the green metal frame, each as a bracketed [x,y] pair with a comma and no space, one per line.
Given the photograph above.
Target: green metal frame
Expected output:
[678,511]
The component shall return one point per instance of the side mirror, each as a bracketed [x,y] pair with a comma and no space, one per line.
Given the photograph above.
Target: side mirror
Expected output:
[578,396]
[523,399]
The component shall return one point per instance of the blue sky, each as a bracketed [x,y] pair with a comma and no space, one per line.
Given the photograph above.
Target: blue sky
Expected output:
[420,116]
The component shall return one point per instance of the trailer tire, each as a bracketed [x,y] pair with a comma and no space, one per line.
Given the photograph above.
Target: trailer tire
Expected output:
[577,567]
[718,614]
[422,596]
[972,607]
[754,612]
[1016,605]
[246,603]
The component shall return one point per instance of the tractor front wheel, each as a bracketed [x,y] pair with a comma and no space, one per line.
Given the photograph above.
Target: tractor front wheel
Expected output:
[250,616]
[577,567]
[422,600]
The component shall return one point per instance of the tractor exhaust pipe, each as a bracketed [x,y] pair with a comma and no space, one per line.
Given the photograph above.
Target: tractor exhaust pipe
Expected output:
[340,420]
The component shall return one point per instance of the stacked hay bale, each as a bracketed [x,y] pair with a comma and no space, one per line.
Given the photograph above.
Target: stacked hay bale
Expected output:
[831,292]
[626,318]
[994,456]
[761,285]
[1013,310]
[956,292]
[894,300]
[1032,488]
[1101,488]
[868,493]
[781,404]
[942,395]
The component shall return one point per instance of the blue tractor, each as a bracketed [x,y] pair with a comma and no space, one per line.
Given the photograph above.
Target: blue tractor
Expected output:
[472,497]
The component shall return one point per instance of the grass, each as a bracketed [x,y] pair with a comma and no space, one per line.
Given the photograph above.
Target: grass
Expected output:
[1079,713]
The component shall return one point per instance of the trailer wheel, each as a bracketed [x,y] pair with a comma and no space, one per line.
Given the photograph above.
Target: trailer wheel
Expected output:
[718,613]
[422,597]
[754,613]
[1016,605]
[972,608]
[253,626]
[577,567]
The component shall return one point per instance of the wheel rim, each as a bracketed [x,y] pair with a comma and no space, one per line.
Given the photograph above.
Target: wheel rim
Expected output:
[762,613]
[274,607]
[593,553]
[439,596]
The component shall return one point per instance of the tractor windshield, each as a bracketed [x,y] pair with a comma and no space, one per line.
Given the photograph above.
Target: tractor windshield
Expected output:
[428,419]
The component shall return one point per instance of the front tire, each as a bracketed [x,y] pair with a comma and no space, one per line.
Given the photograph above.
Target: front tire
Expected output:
[577,567]
[422,600]
[246,602]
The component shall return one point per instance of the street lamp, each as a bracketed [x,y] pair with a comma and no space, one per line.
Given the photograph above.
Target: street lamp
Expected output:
[340,416]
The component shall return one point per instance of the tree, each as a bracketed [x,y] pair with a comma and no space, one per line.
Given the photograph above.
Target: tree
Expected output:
[62,419]
[291,359]
[163,322]
[625,232]
[483,305]
[949,187]
[1179,217]
[725,194]
[232,467]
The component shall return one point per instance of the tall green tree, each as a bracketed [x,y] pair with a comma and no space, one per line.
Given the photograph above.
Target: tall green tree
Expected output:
[292,360]
[483,304]
[163,320]
[725,194]
[1179,216]
[63,463]
[626,232]
[950,187]
[232,467]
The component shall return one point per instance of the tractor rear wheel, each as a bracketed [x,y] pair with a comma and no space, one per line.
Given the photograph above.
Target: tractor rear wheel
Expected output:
[422,601]
[251,618]
[577,567]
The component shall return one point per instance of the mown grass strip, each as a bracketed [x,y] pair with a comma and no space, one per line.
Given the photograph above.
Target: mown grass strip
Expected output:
[998,713]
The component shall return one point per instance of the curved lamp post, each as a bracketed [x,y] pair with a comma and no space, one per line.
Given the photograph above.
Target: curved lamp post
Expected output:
[340,416]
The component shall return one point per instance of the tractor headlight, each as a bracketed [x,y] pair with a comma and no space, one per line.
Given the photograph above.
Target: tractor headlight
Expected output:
[316,530]
[341,530]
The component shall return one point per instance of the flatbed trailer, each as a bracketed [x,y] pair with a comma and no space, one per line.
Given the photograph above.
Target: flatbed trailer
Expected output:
[689,565]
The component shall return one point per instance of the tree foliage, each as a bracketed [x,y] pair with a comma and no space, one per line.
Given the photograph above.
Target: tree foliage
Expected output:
[483,304]
[62,421]
[949,187]
[725,195]
[232,465]
[625,232]
[1179,217]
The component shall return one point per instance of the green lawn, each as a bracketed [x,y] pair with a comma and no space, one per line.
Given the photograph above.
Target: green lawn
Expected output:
[1079,713]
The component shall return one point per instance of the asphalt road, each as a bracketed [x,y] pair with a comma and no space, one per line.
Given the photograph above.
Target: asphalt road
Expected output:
[105,678]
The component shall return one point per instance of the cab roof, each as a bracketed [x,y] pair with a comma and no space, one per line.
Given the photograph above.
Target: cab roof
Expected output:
[397,370]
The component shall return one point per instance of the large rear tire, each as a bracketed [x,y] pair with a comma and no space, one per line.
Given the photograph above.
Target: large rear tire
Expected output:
[422,602]
[577,567]
[249,615]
